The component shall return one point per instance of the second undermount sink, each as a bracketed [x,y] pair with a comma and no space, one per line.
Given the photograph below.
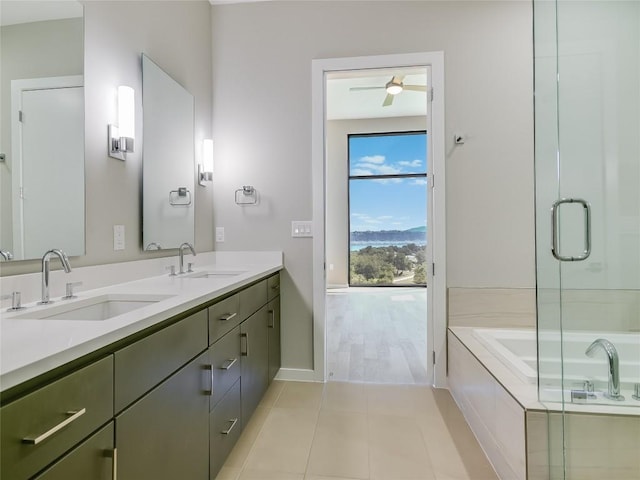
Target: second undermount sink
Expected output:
[102,307]
[216,274]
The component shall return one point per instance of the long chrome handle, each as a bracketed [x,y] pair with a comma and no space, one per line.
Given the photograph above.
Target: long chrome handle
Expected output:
[210,390]
[114,465]
[227,316]
[555,247]
[76,414]
[231,361]
[244,351]
[233,424]
[272,319]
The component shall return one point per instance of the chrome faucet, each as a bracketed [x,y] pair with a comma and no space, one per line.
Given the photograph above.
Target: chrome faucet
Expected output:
[6,254]
[45,271]
[181,254]
[613,390]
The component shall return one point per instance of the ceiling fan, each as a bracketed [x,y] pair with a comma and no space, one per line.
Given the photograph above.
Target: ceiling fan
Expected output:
[393,88]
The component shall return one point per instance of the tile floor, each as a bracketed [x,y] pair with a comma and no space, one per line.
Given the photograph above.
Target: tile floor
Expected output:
[345,431]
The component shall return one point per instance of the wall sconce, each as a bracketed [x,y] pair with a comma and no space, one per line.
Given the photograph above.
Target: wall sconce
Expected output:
[121,136]
[205,168]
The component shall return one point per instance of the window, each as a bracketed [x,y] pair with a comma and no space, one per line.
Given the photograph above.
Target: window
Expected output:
[388,209]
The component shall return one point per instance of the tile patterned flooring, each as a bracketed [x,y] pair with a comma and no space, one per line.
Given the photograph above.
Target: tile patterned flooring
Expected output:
[356,431]
[377,334]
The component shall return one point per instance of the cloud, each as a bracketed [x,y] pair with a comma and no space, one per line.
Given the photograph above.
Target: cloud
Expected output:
[420,181]
[375,159]
[410,163]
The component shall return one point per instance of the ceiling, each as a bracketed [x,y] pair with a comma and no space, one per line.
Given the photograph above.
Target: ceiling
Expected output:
[13,12]
[344,103]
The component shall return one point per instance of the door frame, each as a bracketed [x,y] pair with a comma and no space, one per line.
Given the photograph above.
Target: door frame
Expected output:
[436,291]
[17,87]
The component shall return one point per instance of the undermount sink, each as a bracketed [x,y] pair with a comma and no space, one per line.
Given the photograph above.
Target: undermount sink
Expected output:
[217,274]
[102,307]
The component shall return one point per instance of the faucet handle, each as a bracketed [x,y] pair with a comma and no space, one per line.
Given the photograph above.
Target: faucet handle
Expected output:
[172,270]
[16,302]
[189,267]
[70,287]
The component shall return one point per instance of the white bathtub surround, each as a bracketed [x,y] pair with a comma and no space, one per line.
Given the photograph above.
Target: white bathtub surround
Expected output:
[590,309]
[492,307]
[30,347]
[603,440]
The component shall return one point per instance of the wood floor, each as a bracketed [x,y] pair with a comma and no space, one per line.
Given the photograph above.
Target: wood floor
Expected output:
[377,335]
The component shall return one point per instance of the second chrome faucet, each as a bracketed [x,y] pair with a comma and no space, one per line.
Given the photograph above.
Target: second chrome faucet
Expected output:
[46,258]
[181,249]
[613,389]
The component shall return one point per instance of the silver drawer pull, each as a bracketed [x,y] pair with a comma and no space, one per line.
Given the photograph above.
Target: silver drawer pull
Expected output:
[209,391]
[276,287]
[244,351]
[113,454]
[233,424]
[230,364]
[272,319]
[74,416]
[227,316]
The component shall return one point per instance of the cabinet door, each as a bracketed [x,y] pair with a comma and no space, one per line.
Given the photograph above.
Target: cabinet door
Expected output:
[92,459]
[274,337]
[165,434]
[225,427]
[254,360]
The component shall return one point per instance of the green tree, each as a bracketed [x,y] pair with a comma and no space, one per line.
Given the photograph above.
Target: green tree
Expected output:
[420,275]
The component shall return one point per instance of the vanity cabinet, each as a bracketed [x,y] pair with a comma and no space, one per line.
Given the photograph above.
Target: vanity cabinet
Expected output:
[167,402]
[41,426]
[93,459]
[164,435]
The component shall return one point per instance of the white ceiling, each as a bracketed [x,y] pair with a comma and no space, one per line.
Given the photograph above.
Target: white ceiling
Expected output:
[13,12]
[344,103]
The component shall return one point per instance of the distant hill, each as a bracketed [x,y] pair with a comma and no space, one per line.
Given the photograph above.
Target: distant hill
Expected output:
[411,235]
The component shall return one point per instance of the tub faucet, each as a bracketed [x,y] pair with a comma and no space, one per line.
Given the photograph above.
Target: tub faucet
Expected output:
[45,271]
[181,254]
[613,390]
[6,254]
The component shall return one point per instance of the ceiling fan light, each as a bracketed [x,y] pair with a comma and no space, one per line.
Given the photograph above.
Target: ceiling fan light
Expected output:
[393,88]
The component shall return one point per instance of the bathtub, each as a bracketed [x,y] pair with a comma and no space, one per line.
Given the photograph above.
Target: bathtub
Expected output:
[517,349]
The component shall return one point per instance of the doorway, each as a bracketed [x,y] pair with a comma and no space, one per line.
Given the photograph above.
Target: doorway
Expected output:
[324,266]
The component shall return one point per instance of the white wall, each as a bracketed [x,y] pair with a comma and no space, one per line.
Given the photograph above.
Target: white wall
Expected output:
[262,55]
[177,36]
[337,174]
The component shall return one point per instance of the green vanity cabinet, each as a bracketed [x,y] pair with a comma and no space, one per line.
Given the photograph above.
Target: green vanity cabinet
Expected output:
[254,351]
[93,459]
[273,310]
[39,427]
[165,434]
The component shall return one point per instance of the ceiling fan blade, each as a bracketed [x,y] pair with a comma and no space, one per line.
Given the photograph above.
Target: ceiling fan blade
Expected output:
[416,88]
[397,78]
[388,100]
[353,89]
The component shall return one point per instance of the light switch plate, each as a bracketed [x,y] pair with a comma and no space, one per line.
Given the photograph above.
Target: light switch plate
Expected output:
[301,228]
[118,237]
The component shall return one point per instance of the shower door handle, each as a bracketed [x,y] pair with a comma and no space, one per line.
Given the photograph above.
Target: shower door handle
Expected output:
[555,247]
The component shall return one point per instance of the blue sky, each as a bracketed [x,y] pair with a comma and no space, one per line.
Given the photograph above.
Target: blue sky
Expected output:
[387,204]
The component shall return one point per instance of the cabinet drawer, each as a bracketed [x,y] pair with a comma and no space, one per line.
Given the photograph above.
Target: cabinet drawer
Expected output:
[225,428]
[273,286]
[225,363]
[26,448]
[92,459]
[144,364]
[252,298]
[223,316]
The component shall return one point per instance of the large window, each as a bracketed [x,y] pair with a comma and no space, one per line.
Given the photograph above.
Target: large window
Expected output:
[388,209]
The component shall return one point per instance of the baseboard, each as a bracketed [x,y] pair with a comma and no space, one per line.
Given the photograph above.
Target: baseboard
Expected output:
[296,375]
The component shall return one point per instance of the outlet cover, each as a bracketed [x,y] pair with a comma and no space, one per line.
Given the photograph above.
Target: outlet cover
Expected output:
[219,234]
[118,237]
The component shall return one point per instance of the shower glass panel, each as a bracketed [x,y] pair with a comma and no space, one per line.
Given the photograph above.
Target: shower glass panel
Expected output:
[587,166]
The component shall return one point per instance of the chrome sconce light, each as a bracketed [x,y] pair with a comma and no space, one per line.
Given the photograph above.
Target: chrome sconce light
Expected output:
[205,167]
[121,136]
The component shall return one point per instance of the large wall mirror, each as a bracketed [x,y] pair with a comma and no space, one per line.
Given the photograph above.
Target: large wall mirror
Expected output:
[42,128]
[168,162]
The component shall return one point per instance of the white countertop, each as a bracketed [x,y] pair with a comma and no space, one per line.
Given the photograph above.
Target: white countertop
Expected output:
[31,347]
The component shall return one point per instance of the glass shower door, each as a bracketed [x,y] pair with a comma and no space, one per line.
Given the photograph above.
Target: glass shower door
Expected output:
[587,139]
